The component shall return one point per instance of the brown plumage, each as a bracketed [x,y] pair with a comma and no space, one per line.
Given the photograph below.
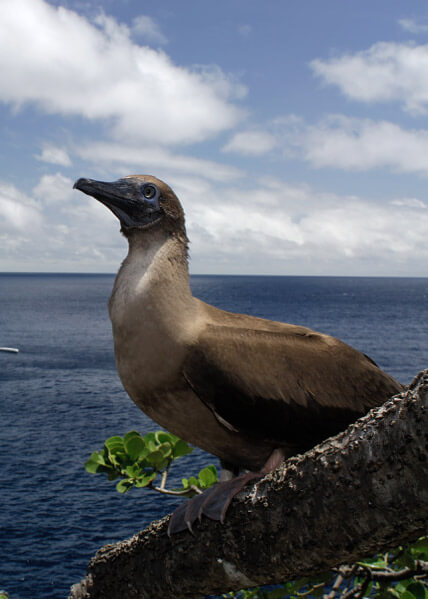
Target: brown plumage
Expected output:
[240,387]
[280,382]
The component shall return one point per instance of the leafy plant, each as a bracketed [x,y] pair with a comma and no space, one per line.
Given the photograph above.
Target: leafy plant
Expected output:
[207,477]
[399,574]
[138,460]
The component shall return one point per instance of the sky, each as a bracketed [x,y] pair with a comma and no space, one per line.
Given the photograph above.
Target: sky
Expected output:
[294,133]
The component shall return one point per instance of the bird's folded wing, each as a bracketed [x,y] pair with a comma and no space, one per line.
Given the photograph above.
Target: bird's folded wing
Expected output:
[290,385]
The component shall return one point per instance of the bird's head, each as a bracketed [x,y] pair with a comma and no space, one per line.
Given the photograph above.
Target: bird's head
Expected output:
[139,202]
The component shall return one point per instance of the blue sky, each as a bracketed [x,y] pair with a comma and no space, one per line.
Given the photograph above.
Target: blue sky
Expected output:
[294,133]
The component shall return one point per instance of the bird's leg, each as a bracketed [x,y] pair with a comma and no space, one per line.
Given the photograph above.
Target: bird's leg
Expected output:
[216,500]
[273,462]
[228,471]
[216,503]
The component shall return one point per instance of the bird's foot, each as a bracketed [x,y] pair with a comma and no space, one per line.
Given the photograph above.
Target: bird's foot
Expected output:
[213,503]
[216,500]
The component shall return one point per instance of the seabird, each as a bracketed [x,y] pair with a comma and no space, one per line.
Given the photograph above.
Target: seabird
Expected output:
[251,391]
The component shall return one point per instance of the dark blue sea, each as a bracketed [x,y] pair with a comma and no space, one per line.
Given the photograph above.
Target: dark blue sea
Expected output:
[60,398]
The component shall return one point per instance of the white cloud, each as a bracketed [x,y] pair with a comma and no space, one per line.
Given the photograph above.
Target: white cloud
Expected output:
[148,29]
[385,72]
[63,64]
[252,143]
[55,230]
[17,211]
[245,30]
[54,189]
[54,155]
[410,202]
[149,158]
[413,26]
[358,144]
[277,228]
[267,226]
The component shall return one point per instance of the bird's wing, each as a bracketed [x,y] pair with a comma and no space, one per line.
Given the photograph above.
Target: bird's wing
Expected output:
[285,384]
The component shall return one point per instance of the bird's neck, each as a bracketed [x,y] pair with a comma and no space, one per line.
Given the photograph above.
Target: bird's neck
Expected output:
[153,281]
[153,313]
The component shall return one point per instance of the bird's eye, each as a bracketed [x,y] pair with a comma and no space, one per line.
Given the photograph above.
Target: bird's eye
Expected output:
[149,192]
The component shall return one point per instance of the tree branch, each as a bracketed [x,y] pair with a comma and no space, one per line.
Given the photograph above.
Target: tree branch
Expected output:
[361,492]
[421,567]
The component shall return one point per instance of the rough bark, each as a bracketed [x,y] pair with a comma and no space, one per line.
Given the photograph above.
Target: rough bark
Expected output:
[358,493]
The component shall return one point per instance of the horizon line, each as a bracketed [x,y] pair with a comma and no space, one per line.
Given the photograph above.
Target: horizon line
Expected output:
[113,274]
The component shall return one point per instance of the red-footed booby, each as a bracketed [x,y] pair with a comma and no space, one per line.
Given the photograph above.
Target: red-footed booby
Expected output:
[251,391]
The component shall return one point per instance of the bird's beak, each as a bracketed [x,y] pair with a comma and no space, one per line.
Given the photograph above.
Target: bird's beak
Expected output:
[122,197]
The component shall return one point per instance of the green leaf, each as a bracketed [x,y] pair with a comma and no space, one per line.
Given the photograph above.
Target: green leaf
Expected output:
[407,560]
[192,481]
[131,434]
[164,437]
[136,448]
[419,549]
[118,459]
[116,451]
[150,441]
[124,485]
[377,563]
[417,589]
[92,465]
[207,477]
[157,460]
[145,479]
[154,457]
[400,587]
[114,443]
[133,471]
[165,449]
[181,448]
[98,457]
[187,484]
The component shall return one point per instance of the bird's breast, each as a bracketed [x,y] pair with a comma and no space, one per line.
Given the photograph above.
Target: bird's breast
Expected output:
[150,347]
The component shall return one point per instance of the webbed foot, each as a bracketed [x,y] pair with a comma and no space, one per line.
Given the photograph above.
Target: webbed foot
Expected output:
[216,500]
[213,503]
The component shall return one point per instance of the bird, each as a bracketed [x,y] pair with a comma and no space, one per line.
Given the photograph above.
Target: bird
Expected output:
[251,391]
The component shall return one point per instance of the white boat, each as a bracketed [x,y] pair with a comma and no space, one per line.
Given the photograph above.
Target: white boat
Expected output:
[11,350]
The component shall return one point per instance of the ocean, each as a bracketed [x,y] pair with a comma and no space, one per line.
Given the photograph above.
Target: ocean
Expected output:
[61,397]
